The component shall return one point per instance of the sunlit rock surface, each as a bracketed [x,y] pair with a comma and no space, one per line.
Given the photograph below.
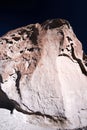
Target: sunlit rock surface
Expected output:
[43,78]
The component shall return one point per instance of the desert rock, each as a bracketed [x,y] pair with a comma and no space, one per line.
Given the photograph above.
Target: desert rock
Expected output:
[43,76]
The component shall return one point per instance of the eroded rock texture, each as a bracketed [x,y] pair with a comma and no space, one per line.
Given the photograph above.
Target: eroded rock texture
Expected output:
[43,74]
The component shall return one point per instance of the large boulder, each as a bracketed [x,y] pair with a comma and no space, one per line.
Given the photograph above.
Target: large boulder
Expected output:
[43,77]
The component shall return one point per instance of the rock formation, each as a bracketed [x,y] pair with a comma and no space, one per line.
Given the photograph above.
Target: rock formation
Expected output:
[43,76]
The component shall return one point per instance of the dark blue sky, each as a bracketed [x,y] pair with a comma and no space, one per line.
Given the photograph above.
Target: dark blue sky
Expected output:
[20,13]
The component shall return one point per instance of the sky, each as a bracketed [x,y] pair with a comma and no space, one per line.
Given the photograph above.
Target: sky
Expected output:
[14,14]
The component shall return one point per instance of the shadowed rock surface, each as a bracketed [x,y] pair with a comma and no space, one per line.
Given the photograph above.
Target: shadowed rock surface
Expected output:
[43,77]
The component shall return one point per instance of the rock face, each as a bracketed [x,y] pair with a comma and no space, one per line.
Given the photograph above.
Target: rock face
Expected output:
[43,76]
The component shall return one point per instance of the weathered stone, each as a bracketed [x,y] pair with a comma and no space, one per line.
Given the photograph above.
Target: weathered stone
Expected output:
[43,75]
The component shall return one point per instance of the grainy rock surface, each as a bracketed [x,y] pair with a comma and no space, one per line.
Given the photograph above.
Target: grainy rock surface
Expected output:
[43,78]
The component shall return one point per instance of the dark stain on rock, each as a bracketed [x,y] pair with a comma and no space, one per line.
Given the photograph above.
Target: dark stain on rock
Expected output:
[21,51]
[22,31]
[16,38]
[12,35]
[10,42]
[82,128]
[7,41]
[30,49]
[68,49]
[69,39]
[17,82]
[1,79]
[34,35]
[1,42]
[5,102]
[55,23]
[33,48]
[85,58]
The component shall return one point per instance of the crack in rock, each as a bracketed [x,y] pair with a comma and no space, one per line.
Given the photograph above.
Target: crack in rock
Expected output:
[18,83]
[78,61]
[63,54]
[55,119]
[1,79]
[11,104]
